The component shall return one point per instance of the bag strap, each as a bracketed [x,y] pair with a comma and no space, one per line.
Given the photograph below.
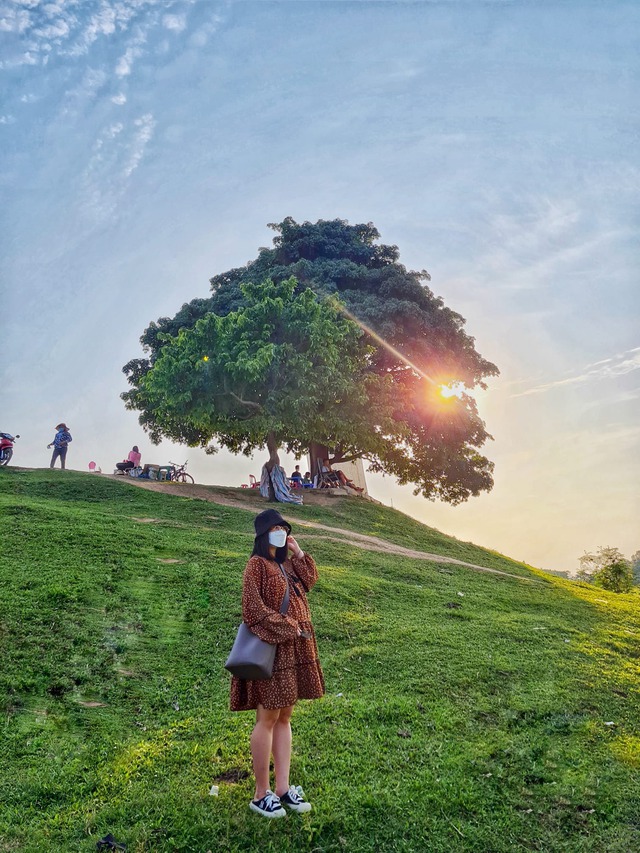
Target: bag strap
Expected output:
[285,601]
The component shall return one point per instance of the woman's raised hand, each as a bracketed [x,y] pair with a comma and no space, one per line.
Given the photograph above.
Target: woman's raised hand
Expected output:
[294,547]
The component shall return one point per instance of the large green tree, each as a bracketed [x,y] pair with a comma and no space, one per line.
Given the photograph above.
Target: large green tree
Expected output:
[414,345]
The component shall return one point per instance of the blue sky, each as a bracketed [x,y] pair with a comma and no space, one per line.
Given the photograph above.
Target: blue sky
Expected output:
[146,144]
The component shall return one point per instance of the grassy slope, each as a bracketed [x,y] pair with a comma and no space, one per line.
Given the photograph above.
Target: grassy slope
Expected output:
[473,729]
[373,519]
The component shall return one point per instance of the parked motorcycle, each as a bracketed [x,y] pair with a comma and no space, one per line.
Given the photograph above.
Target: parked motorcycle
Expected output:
[6,447]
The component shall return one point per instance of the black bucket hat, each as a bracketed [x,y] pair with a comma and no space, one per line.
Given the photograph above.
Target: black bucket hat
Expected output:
[268,519]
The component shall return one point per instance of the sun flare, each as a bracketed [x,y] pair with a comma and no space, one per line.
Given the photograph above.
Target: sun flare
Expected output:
[448,391]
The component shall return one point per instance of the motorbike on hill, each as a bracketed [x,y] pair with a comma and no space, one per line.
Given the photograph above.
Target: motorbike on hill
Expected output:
[6,447]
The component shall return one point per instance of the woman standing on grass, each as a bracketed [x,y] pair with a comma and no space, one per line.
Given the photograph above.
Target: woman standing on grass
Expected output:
[60,443]
[296,671]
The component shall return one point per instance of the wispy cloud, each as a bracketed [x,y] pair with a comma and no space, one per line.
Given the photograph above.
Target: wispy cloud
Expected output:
[92,82]
[617,365]
[14,20]
[175,22]
[531,249]
[202,35]
[145,127]
[125,63]
[116,154]
[71,27]
[540,243]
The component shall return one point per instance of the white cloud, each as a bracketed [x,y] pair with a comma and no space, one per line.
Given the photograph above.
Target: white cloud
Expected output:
[71,27]
[114,129]
[125,63]
[120,98]
[201,36]
[618,365]
[133,52]
[174,22]
[14,20]
[145,128]
[116,154]
[101,24]
[26,58]
[542,243]
[53,9]
[56,31]
[7,119]
[93,80]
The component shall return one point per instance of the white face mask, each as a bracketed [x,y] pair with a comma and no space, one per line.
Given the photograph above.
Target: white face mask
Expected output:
[278,538]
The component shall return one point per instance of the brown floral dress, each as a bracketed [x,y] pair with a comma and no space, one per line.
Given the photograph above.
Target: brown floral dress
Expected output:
[296,671]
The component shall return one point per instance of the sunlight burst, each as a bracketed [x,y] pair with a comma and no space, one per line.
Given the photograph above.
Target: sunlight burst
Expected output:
[448,391]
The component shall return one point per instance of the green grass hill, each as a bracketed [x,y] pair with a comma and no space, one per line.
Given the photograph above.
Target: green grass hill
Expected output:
[466,710]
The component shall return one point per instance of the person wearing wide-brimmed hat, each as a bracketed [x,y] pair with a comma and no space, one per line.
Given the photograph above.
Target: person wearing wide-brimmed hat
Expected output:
[296,672]
[60,444]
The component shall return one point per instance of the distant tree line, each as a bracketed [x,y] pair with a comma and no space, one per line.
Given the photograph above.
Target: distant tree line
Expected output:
[609,569]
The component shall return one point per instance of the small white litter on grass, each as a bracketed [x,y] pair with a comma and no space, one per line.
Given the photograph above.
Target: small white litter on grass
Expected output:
[610,723]
[461,594]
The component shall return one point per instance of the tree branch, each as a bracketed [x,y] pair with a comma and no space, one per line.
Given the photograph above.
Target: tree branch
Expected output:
[249,403]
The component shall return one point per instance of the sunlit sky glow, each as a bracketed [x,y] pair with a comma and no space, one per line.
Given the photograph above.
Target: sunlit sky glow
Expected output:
[145,145]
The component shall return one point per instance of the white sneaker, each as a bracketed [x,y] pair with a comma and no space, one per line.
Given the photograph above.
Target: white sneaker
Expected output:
[294,800]
[268,806]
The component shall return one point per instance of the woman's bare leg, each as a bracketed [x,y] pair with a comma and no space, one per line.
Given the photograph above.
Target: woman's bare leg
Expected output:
[261,746]
[281,747]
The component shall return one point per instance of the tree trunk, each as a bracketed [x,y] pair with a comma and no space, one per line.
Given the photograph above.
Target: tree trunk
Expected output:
[272,447]
[317,453]
[274,459]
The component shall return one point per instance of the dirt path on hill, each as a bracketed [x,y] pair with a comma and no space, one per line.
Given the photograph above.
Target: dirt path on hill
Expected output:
[251,500]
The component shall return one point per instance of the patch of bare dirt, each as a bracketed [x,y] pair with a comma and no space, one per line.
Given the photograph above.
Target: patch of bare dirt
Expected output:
[235,774]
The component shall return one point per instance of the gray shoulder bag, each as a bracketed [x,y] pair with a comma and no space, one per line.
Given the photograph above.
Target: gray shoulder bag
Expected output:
[251,658]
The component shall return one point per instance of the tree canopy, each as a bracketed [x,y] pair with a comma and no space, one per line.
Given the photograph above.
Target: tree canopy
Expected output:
[283,364]
[403,344]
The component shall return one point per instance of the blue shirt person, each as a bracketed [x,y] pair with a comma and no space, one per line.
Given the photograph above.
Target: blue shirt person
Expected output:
[60,444]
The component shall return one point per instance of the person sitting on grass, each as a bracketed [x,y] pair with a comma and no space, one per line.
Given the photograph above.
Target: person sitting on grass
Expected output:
[307,482]
[132,460]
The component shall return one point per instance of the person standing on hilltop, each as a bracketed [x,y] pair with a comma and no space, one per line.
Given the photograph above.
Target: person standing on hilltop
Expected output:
[60,444]
[296,670]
